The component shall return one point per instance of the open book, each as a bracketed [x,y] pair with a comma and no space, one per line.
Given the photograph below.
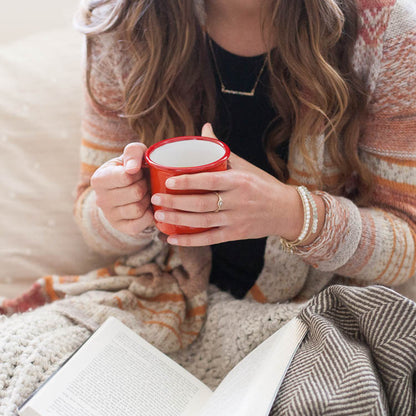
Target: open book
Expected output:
[116,372]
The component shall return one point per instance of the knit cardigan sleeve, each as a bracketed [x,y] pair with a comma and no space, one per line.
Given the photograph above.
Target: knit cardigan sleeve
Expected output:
[378,244]
[104,136]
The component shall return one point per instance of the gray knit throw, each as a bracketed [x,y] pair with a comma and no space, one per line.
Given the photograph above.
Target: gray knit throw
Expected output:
[359,357]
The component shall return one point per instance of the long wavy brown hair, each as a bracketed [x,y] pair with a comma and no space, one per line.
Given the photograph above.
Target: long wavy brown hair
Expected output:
[170,89]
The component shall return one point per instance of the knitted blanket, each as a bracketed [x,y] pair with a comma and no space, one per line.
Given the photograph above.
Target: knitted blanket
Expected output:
[161,293]
[359,356]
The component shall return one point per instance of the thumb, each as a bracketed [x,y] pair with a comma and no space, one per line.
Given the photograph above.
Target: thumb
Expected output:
[132,157]
[207,131]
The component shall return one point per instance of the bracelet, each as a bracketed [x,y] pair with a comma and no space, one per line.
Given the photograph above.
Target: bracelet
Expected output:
[310,211]
[314,211]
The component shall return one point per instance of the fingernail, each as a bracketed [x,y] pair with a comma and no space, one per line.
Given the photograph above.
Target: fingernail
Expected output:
[156,200]
[172,240]
[132,164]
[160,216]
[170,183]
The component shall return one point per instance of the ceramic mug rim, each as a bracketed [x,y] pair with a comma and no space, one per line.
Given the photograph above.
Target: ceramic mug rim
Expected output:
[187,169]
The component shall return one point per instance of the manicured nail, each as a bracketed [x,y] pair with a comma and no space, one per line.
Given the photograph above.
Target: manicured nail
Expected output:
[170,183]
[132,164]
[159,215]
[156,200]
[172,240]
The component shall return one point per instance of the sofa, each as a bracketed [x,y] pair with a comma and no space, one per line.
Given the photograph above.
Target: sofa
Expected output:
[40,112]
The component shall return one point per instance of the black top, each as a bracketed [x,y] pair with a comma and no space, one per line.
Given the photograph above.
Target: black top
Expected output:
[241,122]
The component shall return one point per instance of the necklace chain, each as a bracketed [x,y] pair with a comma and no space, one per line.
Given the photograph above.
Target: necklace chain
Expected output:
[224,89]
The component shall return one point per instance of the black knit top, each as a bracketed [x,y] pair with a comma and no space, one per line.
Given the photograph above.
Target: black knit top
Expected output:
[241,122]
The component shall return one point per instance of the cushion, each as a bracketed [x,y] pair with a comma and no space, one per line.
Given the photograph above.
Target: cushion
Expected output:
[40,111]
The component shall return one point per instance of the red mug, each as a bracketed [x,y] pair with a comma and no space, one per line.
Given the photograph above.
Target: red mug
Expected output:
[179,156]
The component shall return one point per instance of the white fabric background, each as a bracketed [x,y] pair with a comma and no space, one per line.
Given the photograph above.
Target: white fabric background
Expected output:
[40,112]
[19,19]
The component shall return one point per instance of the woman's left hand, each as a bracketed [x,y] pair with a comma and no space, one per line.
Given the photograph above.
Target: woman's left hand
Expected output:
[255,204]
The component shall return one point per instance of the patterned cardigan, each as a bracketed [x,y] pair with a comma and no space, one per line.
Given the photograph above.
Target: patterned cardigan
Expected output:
[376,244]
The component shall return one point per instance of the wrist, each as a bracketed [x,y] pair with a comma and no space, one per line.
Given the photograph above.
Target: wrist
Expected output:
[291,216]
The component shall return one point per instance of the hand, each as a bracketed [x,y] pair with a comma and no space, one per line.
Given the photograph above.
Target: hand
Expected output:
[255,205]
[122,193]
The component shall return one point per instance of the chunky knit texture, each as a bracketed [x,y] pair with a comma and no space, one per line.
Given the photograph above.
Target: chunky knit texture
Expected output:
[34,344]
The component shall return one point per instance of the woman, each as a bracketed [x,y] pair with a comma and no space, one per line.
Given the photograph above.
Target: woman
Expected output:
[313,92]
[324,99]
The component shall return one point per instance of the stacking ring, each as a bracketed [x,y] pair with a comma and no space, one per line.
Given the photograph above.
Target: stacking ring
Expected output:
[220,202]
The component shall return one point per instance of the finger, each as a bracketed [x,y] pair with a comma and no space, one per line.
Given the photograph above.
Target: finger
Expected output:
[130,211]
[206,238]
[207,131]
[133,157]
[193,203]
[135,227]
[206,220]
[208,181]
[123,196]
[111,176]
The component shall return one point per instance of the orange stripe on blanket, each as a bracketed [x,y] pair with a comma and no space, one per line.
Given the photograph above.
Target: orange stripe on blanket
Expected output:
[167,297]
[119,302]
[197,311]
[164,311]
[193,333]
[95,146]
[166,326]
[257,294]
[49,288]
[104,272]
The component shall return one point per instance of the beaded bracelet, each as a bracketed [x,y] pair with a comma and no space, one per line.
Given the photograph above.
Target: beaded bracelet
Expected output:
[314,211]
[310,211]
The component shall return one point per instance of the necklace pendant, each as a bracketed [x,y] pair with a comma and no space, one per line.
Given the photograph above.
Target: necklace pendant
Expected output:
[225,90]
[234,92]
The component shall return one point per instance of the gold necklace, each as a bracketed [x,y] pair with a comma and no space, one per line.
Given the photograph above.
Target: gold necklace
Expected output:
[224,89]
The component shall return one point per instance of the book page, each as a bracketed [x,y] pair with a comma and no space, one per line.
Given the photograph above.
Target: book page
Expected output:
[252,385]
[116,372]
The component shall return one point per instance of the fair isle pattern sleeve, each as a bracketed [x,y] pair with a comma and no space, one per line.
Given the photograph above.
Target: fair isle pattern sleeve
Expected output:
[104,136]
[378,244]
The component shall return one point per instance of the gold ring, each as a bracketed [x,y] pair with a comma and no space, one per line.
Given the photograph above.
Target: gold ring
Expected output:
[220,202]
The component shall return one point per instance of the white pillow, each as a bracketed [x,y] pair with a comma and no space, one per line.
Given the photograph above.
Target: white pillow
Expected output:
[40,108]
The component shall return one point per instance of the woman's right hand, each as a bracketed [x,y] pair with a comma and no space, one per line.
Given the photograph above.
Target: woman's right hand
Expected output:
[122,192]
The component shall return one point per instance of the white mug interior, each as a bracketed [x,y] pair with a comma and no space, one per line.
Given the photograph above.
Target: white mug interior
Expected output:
[187,153]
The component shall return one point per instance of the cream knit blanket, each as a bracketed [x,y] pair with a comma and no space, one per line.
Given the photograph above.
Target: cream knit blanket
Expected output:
[160,293]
